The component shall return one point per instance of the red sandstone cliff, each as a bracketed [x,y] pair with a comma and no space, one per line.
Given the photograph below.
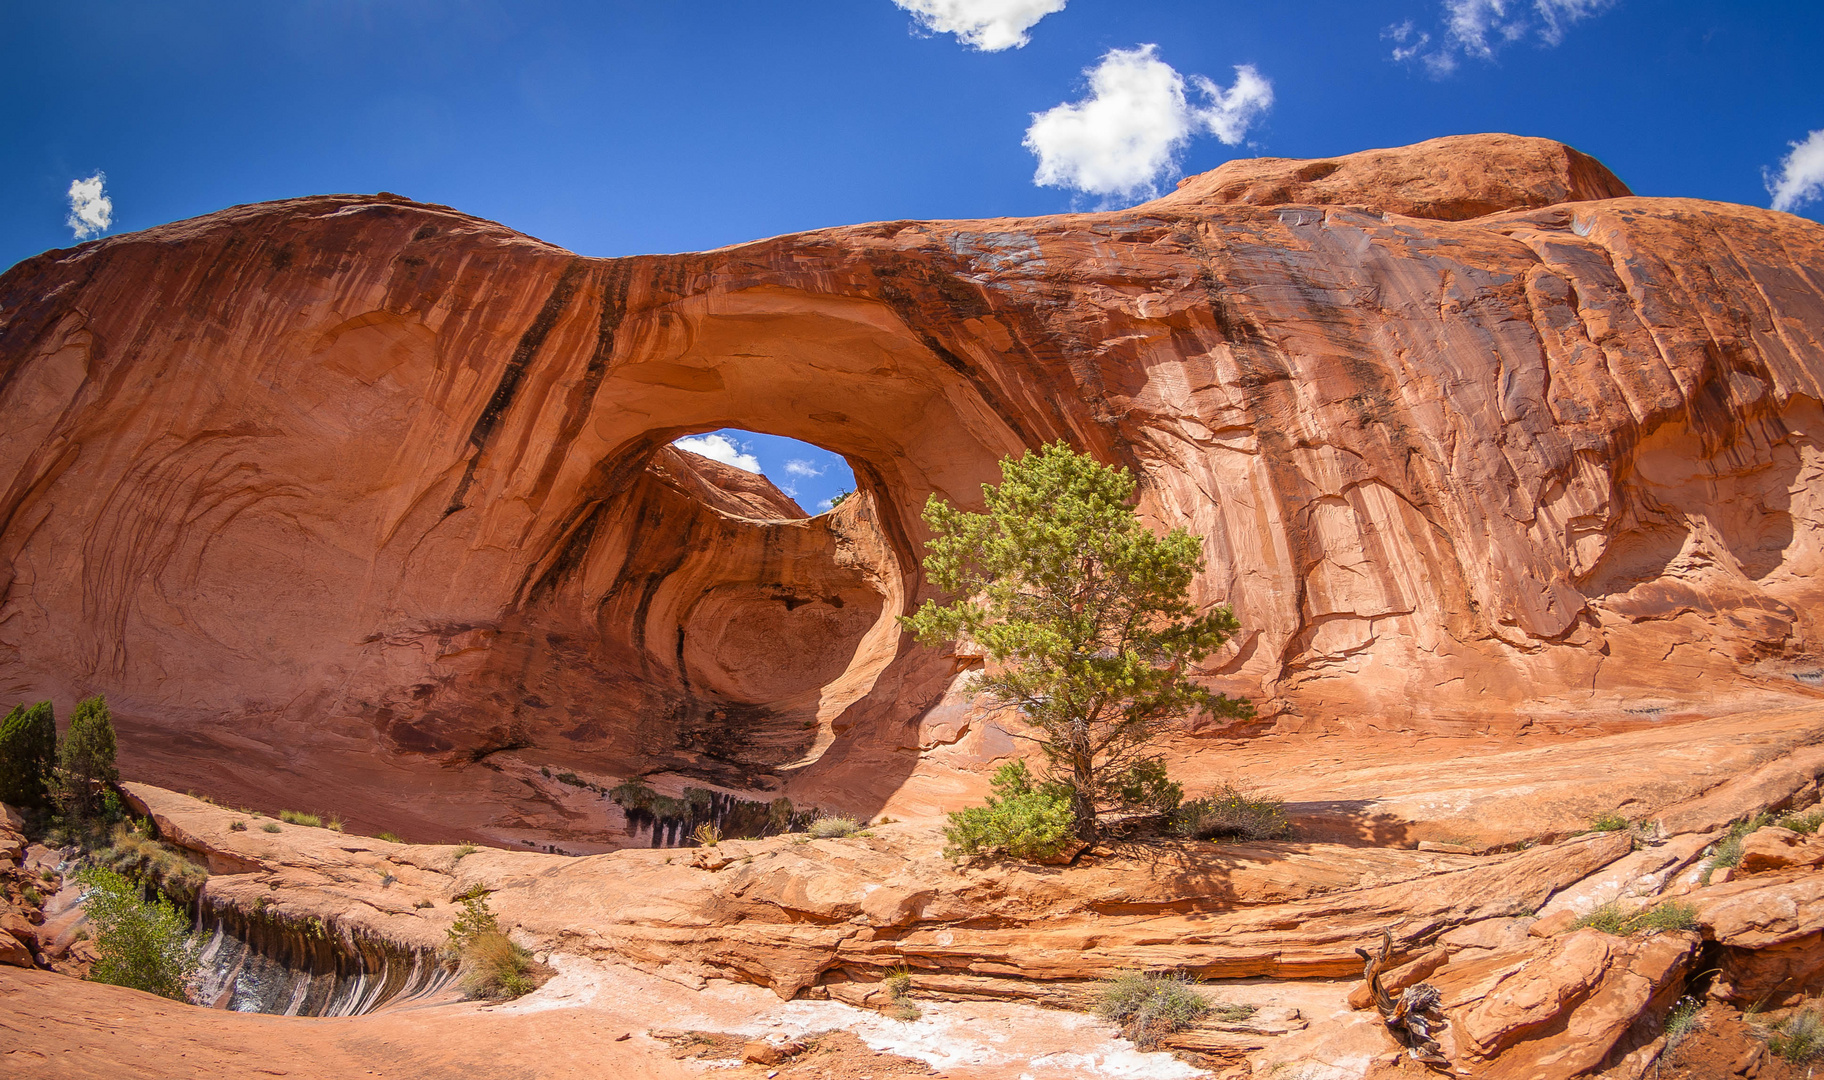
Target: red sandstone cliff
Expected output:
[349,473]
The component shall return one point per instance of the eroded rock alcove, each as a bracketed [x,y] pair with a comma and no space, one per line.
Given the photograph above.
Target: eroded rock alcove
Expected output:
[1477,441]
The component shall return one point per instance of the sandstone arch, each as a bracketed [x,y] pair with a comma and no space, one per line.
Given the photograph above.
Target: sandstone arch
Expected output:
[354,475]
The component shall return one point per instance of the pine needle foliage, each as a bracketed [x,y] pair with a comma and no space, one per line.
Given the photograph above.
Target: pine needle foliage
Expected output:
[28,755]
[1084,613]
[86,757]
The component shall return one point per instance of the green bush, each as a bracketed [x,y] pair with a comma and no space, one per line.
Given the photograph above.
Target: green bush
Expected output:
[137,944]
[1232,814]
[1799,1038]
[1020,820]
[834,828]
[270,826]
[28,755]
[299,817]
[85,758]
[1149,1007]
[1609,822]
[391,838]
[1615,918]
[572,779]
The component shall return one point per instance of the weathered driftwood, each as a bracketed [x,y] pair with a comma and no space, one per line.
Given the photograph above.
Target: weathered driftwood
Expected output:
[1414,1016]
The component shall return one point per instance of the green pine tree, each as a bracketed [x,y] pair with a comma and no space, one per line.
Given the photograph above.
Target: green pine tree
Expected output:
[28,754]
[1086,617]
[86,758]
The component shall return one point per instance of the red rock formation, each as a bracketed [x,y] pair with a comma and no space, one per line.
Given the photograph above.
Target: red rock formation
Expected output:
[358,478]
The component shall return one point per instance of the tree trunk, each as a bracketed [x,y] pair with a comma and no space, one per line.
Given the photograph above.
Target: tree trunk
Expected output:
[1082,799]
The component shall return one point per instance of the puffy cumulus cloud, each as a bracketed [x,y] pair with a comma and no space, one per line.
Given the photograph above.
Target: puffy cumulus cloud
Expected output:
[988,25]
[719,448]
[1801,176]
[1480,28]
[1137,119]
[91,211]
[801,467]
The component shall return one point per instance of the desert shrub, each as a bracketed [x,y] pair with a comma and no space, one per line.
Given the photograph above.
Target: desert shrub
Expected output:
[1235,814]
[494,967]
[1149,1007]
[391,838]
[463,851]
[270,826]
[707,835]
[1807,822]
[85,757]
[141,859]
[1728,850]
[1609,822]
[299,817]
[1616,918]
[834,828]
[572,779]
[32,896]
[899,984]
[1681,1022]
[237,826]
[28,755]
[1021,820]
[1799,1038]
[334,824]
[137,944]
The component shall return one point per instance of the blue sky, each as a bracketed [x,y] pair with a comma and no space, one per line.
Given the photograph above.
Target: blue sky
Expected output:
[616,128]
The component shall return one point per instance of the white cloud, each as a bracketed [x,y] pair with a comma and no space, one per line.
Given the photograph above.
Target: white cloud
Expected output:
[719,448]
[1129,131]
[988,25]
[91,212]
[1801,176]
[1480,28]
[801,467]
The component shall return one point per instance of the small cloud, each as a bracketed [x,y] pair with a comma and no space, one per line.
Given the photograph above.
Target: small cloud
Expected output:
[91,211]
[1481,28]
[719,448]
[801,467]
[825,504]
[988,25]
[1129,132]
[1801,176]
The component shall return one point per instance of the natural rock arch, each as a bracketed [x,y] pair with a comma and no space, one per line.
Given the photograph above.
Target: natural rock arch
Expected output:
[356,475]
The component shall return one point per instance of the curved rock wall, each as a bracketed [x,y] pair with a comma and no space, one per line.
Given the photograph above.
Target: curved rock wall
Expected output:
[355,469]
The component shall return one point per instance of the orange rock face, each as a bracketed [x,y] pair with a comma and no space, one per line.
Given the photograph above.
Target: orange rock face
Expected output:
[339,485]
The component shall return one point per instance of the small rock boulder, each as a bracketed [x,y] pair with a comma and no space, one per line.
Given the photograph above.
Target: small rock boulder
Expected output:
[1774,848]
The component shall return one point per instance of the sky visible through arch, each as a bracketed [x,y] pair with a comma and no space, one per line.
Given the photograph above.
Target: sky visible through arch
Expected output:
[616,128]
[811,475]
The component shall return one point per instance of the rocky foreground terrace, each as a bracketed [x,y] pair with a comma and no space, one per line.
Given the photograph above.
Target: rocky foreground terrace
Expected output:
[352,503]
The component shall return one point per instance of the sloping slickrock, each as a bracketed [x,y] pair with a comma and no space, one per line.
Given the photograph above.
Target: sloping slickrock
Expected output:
[348,477]
[783,911]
